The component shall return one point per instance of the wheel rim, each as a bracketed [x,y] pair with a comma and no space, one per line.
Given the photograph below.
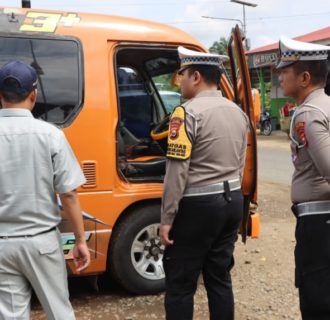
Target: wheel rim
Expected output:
[147,253]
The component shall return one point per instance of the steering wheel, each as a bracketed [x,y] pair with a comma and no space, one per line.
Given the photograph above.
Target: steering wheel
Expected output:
[160,131]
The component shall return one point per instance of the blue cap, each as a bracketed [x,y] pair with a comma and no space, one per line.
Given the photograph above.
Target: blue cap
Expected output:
[24,74]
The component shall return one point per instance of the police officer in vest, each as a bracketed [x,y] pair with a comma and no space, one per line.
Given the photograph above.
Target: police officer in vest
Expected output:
[202,202]
[303,71]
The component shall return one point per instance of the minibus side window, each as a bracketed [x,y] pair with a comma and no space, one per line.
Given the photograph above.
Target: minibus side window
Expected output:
[135,102]
[59,69]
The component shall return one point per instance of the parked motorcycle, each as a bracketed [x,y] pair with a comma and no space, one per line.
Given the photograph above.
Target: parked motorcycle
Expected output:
[265,124]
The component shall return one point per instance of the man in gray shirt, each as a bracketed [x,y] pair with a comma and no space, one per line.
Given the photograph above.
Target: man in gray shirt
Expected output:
[303,71]
[36,163]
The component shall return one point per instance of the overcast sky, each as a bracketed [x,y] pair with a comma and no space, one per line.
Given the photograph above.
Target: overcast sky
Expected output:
[265,23]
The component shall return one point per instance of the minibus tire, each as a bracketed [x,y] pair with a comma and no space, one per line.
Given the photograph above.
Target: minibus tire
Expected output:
[140,228]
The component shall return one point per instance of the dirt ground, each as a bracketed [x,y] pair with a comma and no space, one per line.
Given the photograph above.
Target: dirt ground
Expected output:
[263,277]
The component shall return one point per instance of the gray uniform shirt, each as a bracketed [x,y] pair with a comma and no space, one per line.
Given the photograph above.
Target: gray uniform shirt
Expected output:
[217,129]
[311,159]
[36,161]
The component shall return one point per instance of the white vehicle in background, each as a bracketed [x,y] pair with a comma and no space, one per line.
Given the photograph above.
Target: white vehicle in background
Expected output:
[171,99]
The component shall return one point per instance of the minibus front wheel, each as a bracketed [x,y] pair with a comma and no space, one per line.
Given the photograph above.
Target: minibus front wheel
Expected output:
[135,253]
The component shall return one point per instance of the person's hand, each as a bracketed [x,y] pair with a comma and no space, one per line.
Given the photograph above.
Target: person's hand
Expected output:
[81,256]
[164,234]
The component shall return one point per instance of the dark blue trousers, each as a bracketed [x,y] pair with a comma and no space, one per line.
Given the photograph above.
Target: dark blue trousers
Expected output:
[204,232]
[312,257]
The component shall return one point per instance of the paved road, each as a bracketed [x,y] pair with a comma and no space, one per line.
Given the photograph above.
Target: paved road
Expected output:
[274,160]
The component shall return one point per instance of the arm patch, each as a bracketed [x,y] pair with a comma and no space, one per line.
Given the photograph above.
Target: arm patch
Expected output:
[179,144]
[300,128]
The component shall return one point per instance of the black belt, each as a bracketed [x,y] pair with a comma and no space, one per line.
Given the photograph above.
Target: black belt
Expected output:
[28,236]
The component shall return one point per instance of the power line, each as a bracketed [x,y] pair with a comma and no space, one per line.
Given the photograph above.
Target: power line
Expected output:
[257,19]
[176,3]
[292,16]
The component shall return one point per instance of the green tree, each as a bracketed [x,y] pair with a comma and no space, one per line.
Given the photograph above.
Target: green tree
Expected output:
[220,47]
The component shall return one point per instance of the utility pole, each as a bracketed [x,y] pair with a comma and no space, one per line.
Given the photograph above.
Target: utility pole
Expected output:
[249,4]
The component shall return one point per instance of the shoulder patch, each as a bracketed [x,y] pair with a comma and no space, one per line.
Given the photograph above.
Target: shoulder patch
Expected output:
[179,145]
[300,128]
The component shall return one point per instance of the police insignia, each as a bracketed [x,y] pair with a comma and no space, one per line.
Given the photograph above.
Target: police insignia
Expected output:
[300,128]
[175,125]
[179,144]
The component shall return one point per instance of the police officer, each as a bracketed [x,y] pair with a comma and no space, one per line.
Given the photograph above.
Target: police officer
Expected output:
[303,71]
[36,161]
[202,202]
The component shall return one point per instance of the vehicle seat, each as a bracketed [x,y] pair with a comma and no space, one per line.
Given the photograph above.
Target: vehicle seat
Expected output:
[141,162]
[148,166]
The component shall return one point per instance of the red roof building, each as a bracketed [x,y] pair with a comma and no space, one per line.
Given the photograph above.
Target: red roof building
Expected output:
[321,36]
[261,62]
